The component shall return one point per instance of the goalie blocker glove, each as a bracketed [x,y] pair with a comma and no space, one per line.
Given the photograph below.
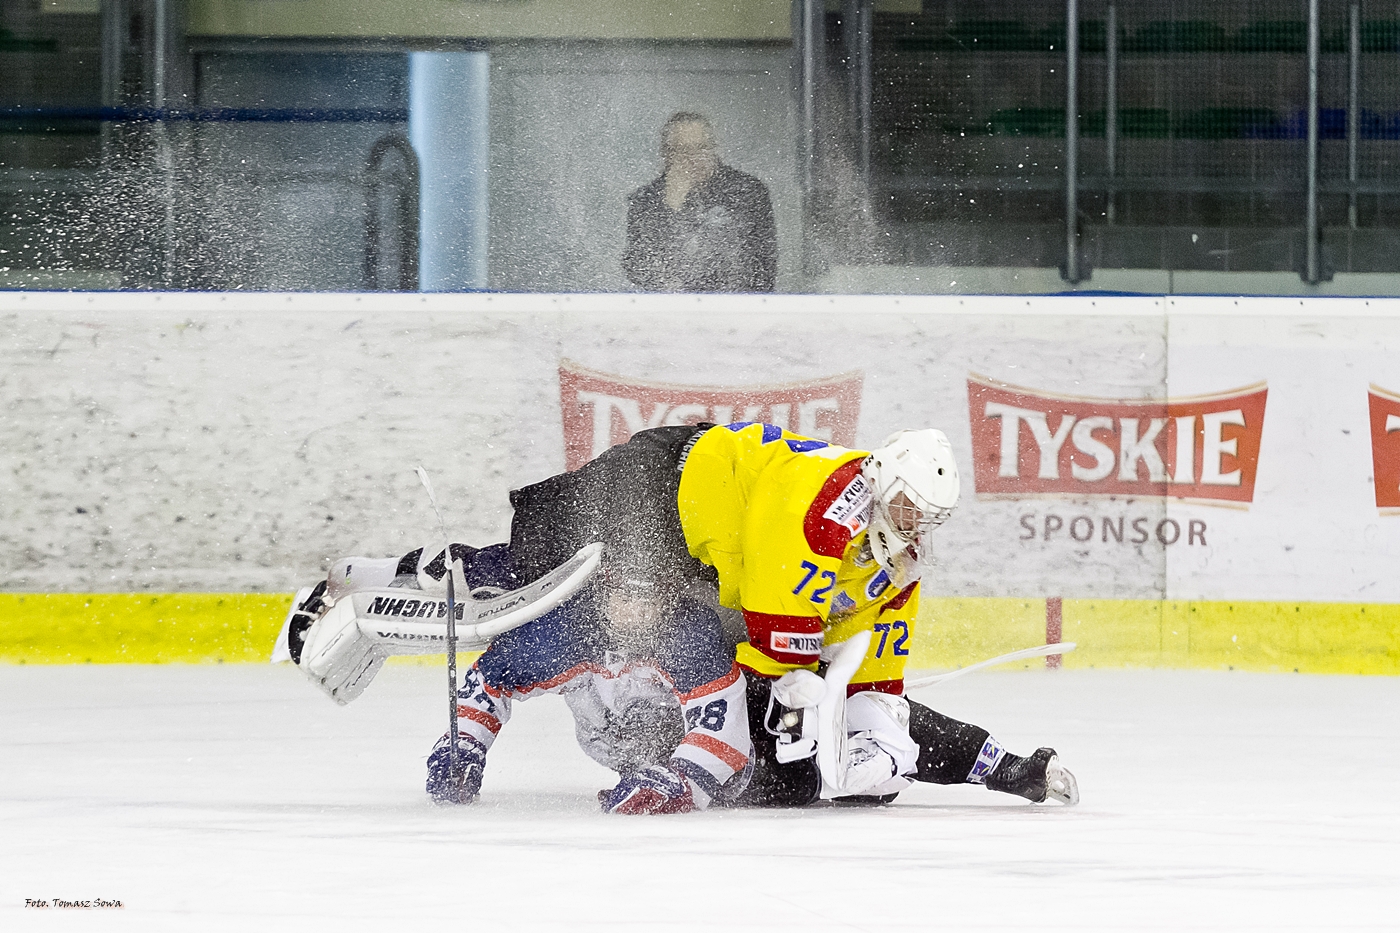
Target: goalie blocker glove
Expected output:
[653,789]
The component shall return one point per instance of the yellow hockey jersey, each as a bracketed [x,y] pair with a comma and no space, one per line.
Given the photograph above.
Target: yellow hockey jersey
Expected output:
[782,518]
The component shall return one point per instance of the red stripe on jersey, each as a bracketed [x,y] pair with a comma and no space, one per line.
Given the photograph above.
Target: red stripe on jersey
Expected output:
[492,724]
[722,750]
[824,536]
[901,599]
[762,625]
[713,686]
[556,681]
[892,687]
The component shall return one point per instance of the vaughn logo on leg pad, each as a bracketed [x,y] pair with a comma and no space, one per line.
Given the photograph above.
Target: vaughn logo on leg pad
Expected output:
[795,643]
[400,608]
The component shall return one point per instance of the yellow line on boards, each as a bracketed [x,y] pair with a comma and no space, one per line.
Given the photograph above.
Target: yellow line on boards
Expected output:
[1310,638]
[1333,638]
[139,628]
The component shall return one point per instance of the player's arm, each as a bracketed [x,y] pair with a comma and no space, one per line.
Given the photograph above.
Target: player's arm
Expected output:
[712,763]
[480,716]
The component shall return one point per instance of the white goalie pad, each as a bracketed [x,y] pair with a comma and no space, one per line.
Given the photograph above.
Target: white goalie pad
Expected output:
[346,647]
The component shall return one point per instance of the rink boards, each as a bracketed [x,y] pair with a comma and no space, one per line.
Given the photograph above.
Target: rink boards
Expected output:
[1203,482]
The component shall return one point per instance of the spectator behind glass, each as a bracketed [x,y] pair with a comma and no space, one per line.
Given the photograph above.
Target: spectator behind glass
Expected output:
[702,226]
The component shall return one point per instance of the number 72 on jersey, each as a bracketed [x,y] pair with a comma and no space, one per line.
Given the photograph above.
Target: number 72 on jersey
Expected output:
[884,629]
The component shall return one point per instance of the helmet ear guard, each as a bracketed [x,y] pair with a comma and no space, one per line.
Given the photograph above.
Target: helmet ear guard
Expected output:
[920,465]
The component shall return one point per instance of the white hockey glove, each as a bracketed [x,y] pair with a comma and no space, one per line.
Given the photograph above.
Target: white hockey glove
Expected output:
[791,715]
[799,689]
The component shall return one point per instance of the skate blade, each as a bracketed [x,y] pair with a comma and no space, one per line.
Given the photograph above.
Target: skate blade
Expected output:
[1060,783]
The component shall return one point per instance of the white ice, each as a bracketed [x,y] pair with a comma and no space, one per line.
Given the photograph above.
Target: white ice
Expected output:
[239,798]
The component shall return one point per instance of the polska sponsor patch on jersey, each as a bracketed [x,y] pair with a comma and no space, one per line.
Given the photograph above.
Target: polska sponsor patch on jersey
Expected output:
[852,507]
[795,643]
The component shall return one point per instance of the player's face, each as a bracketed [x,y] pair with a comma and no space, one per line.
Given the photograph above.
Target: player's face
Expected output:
[690,148]
[905,516]
[631,616]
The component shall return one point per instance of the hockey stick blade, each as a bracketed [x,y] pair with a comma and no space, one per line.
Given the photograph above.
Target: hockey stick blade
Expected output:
[833,757]
[407,624]
[1039,651]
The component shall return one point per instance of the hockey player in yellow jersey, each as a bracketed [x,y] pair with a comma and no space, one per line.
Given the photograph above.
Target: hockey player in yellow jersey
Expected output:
[801,542]
[811,543]
[814,543]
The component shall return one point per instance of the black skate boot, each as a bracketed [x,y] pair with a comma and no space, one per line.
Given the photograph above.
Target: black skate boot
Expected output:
[1037,778]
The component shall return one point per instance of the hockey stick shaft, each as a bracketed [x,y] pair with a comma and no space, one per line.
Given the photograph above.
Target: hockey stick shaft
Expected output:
[453,763]
[1039,651]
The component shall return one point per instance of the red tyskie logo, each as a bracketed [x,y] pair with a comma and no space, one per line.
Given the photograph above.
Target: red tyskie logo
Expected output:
[601,409]
[1385,447]
[1028,443]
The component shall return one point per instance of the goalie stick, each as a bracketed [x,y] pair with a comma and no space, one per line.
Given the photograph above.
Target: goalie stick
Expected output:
[833,750]
[454,765]
[1039,651]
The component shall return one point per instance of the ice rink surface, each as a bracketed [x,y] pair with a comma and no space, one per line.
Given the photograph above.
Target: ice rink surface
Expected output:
[239,798]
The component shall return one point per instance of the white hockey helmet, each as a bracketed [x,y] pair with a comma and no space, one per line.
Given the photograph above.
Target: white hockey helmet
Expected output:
[915,483]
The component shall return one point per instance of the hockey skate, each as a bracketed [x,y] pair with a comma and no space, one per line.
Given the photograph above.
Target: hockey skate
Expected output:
[1038,778]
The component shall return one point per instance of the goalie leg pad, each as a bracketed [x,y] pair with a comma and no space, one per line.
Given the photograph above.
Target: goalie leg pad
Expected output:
[881,752]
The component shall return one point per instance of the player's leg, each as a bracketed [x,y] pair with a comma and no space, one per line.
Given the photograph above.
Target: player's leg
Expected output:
[953,752]
[624,498]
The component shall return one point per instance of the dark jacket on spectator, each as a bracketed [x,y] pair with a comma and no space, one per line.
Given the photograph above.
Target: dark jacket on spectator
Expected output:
[721,240]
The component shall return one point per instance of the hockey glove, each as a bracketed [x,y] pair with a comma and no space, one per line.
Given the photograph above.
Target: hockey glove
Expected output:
[471,762]
[654,789]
